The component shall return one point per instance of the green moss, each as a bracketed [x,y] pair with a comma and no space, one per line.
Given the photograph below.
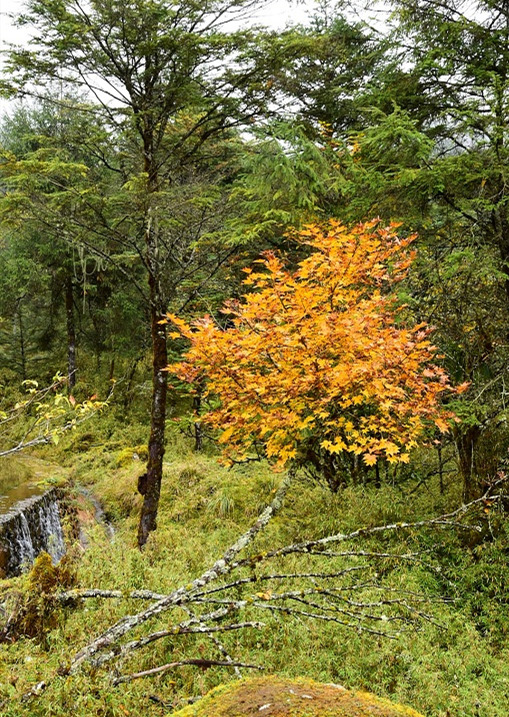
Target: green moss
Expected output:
[127,455]
[23,468]
[461,670]
[276,697]
[30,607]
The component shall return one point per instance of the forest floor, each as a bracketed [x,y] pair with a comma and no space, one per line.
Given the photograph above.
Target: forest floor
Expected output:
[458,667]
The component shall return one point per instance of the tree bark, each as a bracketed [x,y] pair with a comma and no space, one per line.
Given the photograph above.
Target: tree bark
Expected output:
[154,472]
[198,430]
[71,334]
[22,341]
[466,442]
[158,306]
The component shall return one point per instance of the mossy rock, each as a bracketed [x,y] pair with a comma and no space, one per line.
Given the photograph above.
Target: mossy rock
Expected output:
[279,697]
[132,453]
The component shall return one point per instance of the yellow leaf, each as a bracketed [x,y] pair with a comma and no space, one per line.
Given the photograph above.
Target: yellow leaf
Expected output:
[226,434]
[442,425]
[337,446]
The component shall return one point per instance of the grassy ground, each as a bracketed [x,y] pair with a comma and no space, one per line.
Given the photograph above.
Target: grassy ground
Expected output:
[460,669]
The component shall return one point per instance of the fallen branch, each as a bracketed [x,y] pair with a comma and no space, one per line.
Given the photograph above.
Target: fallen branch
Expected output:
[222,649]
[314,547]
[77,594]
[172,665]
[350,596]
[182,594]
[193,626]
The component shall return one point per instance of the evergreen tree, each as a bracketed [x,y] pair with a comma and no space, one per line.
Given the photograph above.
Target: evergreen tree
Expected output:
[153,67]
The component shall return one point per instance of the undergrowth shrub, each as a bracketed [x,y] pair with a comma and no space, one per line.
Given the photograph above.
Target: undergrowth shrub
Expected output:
[32,611]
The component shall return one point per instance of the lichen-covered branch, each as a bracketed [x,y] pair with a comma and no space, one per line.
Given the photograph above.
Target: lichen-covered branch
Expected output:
[319,545]
[72,595]
[172,665]
[182,594]
[351,594]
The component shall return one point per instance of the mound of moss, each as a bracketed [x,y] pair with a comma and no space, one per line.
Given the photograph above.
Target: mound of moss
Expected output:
[278,697]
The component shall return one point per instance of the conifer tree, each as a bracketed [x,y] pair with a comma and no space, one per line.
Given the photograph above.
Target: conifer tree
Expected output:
[153,67]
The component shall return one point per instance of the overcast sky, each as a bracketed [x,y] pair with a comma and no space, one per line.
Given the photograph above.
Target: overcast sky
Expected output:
[277,13]
[7,32]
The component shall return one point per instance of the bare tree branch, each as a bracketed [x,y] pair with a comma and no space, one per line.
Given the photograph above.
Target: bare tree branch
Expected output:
[171,666]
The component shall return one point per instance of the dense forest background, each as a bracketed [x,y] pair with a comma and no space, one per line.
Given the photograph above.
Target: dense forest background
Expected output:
[156,149]
[133,186]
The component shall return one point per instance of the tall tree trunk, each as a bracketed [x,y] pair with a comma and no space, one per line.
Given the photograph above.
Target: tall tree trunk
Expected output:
[22,341]
[466,442]
[71,333]
[198,430]
[152,484]
[153,477]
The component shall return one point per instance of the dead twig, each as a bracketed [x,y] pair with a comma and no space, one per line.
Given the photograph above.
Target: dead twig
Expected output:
[172,665]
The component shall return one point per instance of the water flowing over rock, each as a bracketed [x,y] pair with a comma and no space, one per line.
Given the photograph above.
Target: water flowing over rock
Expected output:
[30,526]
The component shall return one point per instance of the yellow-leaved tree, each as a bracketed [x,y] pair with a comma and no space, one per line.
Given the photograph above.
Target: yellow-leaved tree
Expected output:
[318,364]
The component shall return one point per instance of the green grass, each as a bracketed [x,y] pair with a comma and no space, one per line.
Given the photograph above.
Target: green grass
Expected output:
[459,670]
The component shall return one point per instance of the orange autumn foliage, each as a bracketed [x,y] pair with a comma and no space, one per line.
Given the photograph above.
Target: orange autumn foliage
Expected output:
[318,361]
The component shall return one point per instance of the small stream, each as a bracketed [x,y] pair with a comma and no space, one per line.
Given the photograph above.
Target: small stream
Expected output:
[99,517]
